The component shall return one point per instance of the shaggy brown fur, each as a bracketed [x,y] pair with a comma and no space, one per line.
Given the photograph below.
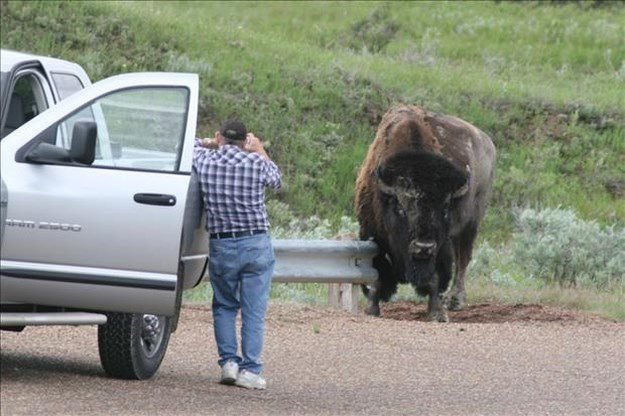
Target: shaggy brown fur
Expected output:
[403,127]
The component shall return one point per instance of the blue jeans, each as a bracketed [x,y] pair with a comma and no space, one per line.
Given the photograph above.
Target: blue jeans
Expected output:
[240,272]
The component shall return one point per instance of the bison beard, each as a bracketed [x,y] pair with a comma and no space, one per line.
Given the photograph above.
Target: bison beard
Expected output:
[422,276]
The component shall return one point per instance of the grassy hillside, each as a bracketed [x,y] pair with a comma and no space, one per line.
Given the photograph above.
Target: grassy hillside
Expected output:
[314,79]
[546,80]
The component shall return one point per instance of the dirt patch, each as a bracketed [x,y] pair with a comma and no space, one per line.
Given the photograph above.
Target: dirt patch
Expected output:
[488,313]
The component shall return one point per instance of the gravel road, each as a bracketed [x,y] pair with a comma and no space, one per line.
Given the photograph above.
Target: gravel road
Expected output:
[533,361]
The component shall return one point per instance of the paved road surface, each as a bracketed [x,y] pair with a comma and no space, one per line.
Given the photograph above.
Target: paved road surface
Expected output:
[322,362]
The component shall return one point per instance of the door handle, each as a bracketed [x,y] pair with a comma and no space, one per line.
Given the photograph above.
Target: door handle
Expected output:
[155,199]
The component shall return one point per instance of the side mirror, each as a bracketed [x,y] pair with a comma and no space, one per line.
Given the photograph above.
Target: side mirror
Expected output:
[84,139]
[82,150]
[44,152]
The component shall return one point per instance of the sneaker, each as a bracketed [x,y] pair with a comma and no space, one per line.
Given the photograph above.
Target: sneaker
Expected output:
[229,372]
[250,380]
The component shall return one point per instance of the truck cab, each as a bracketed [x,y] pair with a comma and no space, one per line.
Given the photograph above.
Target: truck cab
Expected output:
[31,84]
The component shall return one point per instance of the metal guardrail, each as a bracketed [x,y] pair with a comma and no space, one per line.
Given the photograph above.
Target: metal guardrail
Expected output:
[343,264]
[324,261]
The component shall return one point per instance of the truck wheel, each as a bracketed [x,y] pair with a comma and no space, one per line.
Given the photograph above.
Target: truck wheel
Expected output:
[132,346]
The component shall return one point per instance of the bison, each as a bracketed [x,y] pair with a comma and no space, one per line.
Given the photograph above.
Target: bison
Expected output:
[420,195]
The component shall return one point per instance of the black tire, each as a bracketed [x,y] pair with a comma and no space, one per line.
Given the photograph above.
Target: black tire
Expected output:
[132,346]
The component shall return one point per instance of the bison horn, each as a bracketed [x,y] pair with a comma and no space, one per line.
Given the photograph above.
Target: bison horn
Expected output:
[384,188]
[464,188]
[462,191]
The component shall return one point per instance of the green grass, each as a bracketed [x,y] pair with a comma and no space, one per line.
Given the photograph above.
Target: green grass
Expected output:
[545,80]
[309,293]
[606,305]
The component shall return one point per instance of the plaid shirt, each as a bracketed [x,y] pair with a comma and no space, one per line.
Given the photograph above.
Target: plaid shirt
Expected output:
[233,187]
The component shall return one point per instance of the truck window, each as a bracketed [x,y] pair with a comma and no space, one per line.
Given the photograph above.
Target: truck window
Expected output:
[26,101]
[66,84]
[141,128]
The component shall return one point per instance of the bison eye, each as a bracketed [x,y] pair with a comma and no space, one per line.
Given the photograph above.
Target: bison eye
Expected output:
[388,199]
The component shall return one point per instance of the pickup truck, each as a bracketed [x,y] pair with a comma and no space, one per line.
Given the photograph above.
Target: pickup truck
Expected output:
[101,218]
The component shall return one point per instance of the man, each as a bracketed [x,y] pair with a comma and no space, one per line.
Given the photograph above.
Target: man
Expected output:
[233,170]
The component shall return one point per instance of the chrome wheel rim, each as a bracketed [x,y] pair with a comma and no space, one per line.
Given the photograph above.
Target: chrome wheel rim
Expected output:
[151,334]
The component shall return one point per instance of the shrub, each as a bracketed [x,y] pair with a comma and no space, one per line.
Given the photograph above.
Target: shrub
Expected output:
[285,225]
[556,246]
[495,265]
[371,34]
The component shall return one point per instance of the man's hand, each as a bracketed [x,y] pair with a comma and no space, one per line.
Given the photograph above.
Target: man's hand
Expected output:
[209,143]
[253,144]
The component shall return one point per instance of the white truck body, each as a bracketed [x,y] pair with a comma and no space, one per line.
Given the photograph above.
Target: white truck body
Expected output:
[100,209]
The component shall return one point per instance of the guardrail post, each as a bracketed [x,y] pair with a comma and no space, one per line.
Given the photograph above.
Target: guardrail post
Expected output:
[344,296]
[334,295]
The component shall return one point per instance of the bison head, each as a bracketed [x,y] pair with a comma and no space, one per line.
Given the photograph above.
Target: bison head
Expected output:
[415,191]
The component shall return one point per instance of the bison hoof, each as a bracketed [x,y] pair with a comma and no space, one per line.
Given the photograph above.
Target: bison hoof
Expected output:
[440,316]
[373,309]
[457,302]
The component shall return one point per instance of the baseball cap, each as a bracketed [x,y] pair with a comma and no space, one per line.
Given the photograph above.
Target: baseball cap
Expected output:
[234,130]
